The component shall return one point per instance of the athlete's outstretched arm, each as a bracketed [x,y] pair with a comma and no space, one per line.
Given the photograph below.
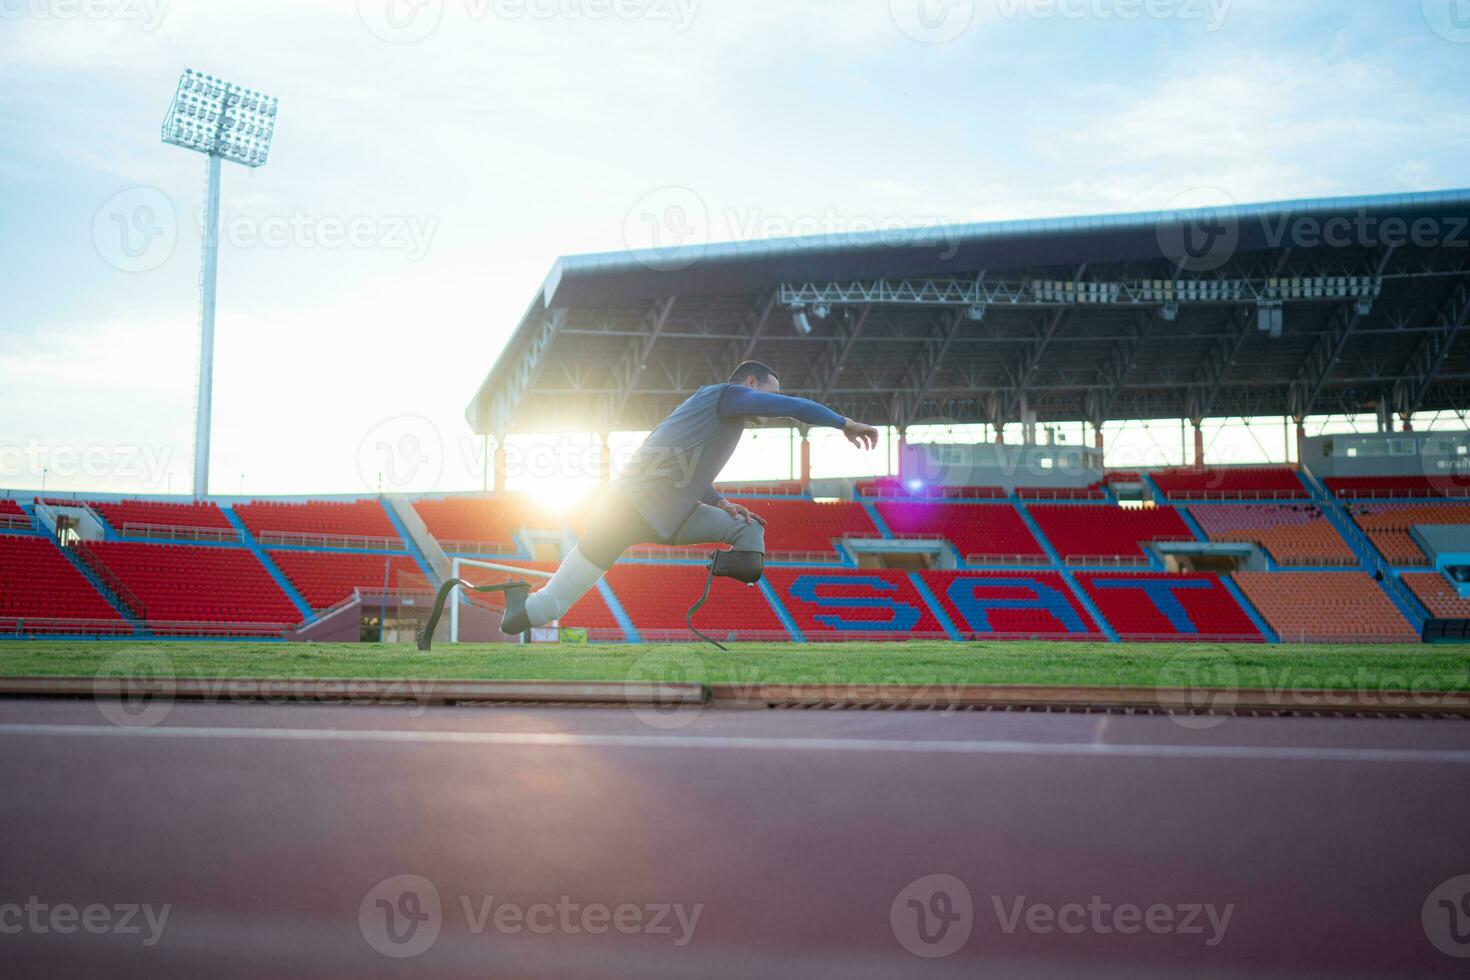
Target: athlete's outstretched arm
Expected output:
[738,401]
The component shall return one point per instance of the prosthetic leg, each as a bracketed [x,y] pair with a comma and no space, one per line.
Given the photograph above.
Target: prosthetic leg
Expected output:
[515,601]
[742,566]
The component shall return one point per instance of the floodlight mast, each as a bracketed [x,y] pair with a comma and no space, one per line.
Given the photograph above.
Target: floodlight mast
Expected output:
[225,122]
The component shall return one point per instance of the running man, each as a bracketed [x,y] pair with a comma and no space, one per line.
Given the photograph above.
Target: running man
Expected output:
[667,494]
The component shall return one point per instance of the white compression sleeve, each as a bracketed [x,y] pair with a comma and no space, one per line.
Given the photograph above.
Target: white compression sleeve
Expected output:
[573,578]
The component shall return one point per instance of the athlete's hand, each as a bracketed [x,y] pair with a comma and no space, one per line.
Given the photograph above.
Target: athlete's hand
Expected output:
[860,435]
[742,513]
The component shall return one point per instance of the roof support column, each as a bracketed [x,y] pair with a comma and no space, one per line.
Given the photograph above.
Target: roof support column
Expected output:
[805,473]
[604,458]
[1199,443]
[498,465]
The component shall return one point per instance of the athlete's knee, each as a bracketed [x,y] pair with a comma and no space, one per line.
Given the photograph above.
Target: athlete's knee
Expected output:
[749,537]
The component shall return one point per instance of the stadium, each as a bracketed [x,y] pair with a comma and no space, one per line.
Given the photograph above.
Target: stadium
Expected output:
[1008,698]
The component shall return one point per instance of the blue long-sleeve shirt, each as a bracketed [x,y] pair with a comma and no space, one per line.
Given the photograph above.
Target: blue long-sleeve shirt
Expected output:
[675,468]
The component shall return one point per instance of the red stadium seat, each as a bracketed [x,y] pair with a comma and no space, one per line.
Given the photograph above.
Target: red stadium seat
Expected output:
[326,578]
[485,524]
[161,514]
[981,532]
[38,583]
[198,583]
[854,603]
[1156,605]
[1084,535]
[318,519]
[1231,483]
[999,604]
[656,597]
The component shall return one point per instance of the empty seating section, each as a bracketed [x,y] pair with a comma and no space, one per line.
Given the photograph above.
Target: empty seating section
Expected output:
[326,578]
[359,521]
[999,604]
[893,487]
[1437,595]
[858,604]
[656,597]
[1193,606]
[797,527]
[1399,487]
[38,583]
[1231,483]
[1304,607]
[993,532]
[198,583]
[148,514]
[1292,534]
[12,516]
[1387,526]
[1107,535]
[484,524]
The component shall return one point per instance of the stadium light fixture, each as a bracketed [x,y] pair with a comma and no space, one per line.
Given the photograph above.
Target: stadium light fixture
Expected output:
[224,121]
[800,320]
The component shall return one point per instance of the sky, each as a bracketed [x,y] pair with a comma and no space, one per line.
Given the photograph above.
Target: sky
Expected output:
[434,157]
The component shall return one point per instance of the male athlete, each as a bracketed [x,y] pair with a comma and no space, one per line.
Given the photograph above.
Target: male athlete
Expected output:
[667,494]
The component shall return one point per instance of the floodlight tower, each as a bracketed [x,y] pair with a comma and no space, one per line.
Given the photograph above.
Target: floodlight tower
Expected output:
[225,122]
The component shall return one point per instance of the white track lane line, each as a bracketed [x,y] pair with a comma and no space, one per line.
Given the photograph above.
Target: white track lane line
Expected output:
[915,747]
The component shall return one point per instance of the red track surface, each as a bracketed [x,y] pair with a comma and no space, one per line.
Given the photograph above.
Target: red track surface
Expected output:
[267,827]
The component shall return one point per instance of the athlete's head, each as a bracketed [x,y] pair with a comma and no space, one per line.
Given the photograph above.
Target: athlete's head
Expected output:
[754,374]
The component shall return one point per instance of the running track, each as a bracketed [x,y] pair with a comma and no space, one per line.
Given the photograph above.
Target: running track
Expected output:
[266,828]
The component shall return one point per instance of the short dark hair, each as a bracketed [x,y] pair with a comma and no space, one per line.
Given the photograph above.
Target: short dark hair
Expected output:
[751,369]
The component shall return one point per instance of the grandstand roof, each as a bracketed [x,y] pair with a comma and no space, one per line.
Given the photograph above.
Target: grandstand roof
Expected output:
[1153,315]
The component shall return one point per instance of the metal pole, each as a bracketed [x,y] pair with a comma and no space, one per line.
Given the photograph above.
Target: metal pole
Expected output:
[454,603]
[207,277]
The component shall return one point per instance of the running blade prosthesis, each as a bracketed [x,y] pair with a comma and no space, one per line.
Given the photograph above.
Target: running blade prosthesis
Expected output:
[742,566]
[426,635]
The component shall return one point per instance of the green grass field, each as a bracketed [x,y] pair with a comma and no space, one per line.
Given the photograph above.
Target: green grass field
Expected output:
[1245,666]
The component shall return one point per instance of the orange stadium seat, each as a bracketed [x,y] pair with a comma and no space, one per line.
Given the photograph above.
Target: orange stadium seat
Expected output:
[1387,526]
[1328,607]
[1437,595]
[1293,534]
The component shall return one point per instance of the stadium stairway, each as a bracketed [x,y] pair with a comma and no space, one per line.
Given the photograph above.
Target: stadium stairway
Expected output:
[615,606]
[782,613]
[120,607]
[1371,561]
[409,543]
[1061,567]
[248,539]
